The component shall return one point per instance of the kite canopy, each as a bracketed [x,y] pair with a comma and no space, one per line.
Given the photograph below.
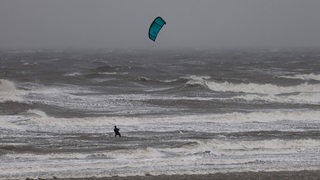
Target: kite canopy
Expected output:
[155,27]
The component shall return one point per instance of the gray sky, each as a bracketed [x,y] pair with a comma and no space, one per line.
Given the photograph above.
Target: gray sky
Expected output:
[190,23]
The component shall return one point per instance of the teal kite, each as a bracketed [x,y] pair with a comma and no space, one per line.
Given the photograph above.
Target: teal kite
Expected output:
[155,27]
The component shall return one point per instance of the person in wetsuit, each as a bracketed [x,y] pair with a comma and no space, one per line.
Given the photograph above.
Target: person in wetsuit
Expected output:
[116,131]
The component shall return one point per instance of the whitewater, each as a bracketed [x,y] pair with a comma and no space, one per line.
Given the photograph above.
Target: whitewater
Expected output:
[179,112]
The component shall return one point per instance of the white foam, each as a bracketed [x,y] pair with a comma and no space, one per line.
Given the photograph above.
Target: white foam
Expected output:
[311,76]
[262,88]
[158,89]
[73,74]
[10,122]
[9,92]
[300,98]
[71,97]
[205,157]
[169,80]
[197,80]
[113,73]
[243,147]
[202,157]
[37,112]
[304,89]
[227,122]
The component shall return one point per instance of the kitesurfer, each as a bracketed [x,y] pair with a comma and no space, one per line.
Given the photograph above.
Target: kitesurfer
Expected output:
[116,131]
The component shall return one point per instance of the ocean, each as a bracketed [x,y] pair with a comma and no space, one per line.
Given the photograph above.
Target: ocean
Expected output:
[179,112]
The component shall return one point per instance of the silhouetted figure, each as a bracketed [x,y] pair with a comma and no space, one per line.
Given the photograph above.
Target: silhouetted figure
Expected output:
[116,131]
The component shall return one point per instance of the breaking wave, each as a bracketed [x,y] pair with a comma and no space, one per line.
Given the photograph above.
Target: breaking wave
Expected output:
[262,88]
[300,98]
[311,76]
[196,81]
[9,92]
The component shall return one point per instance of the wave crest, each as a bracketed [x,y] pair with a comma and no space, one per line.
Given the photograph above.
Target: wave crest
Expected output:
[196,81]
[303,76]
[9,92]
[262,88]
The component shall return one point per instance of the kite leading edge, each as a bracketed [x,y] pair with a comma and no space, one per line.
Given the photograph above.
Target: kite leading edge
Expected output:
[155,28]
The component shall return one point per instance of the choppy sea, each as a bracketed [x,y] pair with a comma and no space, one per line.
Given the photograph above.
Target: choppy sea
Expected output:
[179,112]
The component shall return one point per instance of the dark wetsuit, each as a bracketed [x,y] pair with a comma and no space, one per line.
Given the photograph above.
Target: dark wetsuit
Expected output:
[116,131]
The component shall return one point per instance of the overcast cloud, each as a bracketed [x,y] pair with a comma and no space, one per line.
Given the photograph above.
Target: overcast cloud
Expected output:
[190,23]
